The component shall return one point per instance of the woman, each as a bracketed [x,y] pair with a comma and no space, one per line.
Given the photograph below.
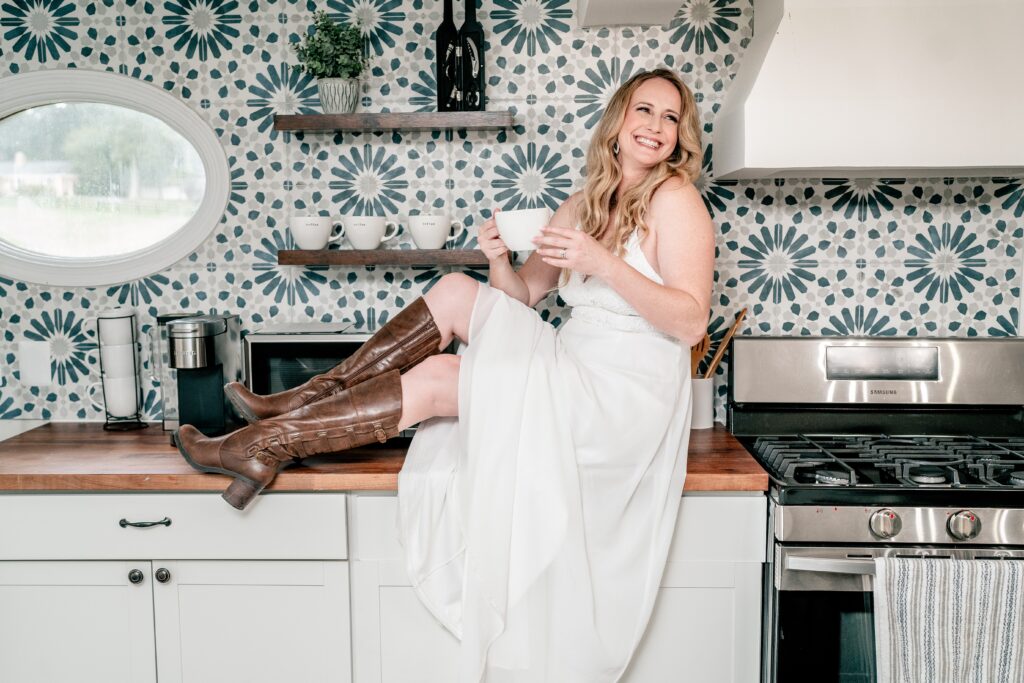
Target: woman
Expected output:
[537,505]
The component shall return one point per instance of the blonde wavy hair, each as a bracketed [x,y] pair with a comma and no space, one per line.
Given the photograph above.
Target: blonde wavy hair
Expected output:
[600,201]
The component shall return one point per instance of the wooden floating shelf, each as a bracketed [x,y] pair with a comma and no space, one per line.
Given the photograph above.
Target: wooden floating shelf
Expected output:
[411,121]
[381,257]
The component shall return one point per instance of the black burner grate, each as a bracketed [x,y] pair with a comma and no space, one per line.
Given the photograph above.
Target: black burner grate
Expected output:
[868,460]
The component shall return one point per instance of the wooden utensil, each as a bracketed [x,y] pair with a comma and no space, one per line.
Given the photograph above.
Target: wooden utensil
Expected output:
[723,344]
[697,353]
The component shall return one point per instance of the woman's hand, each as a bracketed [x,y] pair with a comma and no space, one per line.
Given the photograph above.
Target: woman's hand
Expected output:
[573,249]
[489,241]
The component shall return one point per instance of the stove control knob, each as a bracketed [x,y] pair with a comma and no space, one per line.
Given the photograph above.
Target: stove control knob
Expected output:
[963,525]
[885,523]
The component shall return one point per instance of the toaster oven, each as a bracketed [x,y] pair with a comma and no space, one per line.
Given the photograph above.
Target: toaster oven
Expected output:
[284,356]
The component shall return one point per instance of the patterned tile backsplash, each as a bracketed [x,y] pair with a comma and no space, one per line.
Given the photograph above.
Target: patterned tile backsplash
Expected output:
[837,257]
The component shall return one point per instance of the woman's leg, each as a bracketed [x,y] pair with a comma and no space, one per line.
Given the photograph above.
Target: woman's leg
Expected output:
[374,410]
[451,303]
[422,329]
[431,389]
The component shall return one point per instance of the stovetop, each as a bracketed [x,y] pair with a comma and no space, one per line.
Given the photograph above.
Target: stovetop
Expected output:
[893,469]
[865,421]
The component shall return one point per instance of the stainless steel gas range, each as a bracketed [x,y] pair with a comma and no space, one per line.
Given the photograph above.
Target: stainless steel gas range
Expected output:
[874,447]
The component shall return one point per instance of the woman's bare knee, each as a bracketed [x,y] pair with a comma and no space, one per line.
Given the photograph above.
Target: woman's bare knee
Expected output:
[451,301]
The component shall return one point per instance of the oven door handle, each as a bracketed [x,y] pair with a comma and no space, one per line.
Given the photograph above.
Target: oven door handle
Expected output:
[831,565]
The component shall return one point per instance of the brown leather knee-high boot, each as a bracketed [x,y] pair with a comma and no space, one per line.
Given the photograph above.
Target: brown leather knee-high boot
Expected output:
[403,342]
[365,413]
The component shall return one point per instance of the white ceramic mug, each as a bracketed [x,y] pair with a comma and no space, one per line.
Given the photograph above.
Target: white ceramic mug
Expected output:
[120,395]
[703,399]
[315,232]
[114,326]
[518,228]
[118,360]
[432,230]
[368,232]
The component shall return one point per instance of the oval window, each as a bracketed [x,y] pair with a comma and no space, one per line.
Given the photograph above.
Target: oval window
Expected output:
[102,188]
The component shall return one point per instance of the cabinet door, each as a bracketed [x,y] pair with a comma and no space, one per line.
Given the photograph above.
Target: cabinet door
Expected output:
[80,622]
[706,626]
[256,622]
[395,638]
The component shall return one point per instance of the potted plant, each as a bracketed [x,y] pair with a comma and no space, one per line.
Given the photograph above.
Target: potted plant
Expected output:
[334,55]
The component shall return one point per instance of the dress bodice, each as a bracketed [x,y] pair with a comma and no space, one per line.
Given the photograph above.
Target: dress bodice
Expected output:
[593,300]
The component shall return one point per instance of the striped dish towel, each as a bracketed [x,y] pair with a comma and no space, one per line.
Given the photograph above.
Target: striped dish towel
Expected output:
[949,621]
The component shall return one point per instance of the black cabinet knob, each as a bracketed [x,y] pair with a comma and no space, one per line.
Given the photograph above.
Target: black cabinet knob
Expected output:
[135,576]
[162,575]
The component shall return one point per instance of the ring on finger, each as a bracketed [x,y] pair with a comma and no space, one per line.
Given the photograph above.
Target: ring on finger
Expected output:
[561,254]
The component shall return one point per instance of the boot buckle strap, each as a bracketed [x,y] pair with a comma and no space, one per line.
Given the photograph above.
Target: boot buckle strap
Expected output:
[378,431]
[266,459]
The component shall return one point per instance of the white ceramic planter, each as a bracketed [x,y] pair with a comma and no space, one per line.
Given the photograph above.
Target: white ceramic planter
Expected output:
[338,95]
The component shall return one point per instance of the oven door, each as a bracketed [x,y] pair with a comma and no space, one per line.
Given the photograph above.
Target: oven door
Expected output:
[821,609]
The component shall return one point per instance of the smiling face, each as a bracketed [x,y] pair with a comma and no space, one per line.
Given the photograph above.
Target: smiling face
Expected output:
[650,130]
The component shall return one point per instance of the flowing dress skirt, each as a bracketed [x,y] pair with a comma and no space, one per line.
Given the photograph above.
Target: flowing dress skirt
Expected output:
[536,525]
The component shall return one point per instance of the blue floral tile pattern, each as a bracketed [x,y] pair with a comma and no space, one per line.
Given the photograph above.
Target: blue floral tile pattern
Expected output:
[281,89]
[945,262]
[284,284]
[530,177]
[379,20]
[839,256]
[860,197]
[202,28]
[41,30]
[778,264]
[368,181]
[705,25]
[535,25]
[69,343]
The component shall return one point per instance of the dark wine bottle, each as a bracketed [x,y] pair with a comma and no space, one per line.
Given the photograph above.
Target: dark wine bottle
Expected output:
[471,41]
[446,45]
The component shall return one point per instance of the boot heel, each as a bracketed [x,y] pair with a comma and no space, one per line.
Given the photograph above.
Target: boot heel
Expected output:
[240,493]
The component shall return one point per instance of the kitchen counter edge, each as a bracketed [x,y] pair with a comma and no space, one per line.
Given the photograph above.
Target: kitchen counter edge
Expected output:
[81,457]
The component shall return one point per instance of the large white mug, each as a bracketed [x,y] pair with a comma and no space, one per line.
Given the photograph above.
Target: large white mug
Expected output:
[431,230]
[368,232]
[118,360]
[116,325]
[518,228]
[314,232]
[120,395]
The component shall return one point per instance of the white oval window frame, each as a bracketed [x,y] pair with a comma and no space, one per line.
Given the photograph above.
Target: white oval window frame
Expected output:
[34,89]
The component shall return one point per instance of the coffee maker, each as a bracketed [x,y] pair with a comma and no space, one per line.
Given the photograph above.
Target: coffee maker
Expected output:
[206,352]
[160,353]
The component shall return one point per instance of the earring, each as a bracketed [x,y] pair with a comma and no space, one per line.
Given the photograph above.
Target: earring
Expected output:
[615,148]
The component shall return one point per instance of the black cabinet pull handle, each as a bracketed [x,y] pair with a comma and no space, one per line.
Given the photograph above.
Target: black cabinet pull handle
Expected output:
[163,575]
[135,576]
[166,521]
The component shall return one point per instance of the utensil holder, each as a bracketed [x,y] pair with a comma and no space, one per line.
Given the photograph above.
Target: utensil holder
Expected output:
[117,328]
[703,398]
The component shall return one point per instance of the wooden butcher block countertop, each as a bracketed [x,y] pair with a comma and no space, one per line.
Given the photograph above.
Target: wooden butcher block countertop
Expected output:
[80,456]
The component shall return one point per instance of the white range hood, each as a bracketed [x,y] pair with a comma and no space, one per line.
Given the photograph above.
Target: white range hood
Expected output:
[876,88]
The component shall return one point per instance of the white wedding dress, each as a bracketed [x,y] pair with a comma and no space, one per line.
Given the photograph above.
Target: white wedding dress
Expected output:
[536,525]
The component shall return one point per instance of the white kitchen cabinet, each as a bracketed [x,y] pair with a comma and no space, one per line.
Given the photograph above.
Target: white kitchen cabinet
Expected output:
[253,596]
[75,621]
[706,624]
